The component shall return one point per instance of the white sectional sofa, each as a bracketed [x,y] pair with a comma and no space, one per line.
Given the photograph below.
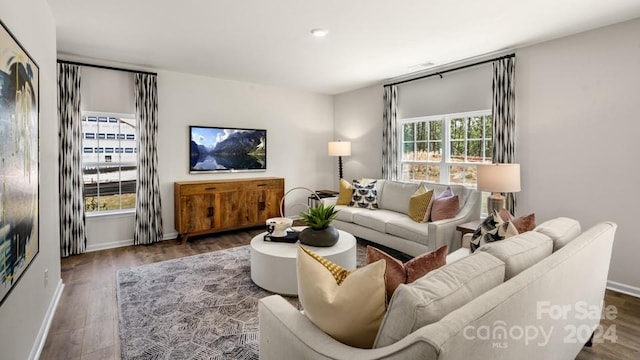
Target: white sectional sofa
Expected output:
[544,270]
[392,227]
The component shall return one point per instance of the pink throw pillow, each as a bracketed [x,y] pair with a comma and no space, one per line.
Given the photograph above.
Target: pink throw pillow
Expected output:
[445,208]
[398,273]
[523,223]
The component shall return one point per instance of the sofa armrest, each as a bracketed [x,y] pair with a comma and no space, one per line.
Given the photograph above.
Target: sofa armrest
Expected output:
[443,232]
[285,333]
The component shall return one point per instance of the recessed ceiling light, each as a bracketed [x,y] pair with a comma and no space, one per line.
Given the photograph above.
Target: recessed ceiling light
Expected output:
[319,32]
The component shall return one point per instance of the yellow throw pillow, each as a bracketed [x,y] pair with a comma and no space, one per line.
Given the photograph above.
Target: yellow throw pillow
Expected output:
[419,203]
[346,191]
[351,311]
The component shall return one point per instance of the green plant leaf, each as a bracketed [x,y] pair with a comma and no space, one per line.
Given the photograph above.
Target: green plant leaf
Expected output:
[319,217]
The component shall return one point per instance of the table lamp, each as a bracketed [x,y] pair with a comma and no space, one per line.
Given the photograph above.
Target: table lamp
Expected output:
[498,178]
[339,149]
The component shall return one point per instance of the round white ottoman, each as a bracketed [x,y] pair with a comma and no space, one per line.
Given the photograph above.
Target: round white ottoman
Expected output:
[273,264]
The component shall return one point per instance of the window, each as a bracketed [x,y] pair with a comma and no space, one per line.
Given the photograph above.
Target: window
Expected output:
[109,180]
[446,148]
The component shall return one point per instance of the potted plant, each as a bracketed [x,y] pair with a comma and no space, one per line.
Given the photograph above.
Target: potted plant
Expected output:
[319,232]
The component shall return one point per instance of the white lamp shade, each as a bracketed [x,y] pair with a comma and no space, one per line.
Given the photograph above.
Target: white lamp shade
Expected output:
[339,148]
[499,177]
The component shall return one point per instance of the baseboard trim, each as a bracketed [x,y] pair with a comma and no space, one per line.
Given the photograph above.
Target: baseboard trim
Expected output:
[36,350]
[123,243]
[623,288]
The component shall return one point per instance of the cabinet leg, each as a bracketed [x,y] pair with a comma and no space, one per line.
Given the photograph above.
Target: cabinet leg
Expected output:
[184,239]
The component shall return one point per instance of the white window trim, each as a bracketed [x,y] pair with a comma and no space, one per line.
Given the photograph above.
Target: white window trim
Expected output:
[118,212]
[445,162]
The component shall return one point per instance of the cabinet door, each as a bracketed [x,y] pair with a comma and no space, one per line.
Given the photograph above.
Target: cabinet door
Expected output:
[198,212]
[271,199]
[232,209]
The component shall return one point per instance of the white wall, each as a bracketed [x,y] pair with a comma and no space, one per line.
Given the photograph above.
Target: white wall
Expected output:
[357,117]
[107,91]
[577,120]
[23,313]
[299,126]
[577,124]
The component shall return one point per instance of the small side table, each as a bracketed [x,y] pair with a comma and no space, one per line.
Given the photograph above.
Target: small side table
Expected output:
[313,201]
[469,227]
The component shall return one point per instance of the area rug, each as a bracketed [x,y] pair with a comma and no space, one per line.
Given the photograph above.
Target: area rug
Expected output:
[197,307]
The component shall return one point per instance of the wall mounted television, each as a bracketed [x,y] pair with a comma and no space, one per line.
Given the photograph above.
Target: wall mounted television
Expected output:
[225,149]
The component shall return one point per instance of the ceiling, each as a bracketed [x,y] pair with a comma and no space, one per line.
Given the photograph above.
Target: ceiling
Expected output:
[269,41]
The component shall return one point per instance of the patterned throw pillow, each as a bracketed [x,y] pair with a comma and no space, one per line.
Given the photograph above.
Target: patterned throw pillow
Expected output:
[493,228]
[405,273]
[364,195]
[420,204]
[347,305]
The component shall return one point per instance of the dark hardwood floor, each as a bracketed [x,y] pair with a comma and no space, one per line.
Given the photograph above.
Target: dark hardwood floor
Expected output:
[85,325]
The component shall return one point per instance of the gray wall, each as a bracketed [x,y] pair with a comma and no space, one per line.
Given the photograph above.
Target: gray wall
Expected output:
[24,313]
[577,114]
[577,109]
[458,91]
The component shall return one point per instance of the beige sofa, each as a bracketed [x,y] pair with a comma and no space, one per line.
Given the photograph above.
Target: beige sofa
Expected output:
[572,277]
[392,227]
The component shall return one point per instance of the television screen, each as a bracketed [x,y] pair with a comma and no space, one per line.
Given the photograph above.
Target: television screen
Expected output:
[227,149]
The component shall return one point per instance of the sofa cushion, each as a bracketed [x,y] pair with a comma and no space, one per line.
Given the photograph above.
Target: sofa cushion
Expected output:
[377,220]
[406,228]
[561,230]
[396,195]
[430,298]
[420,204]
[398,272]
[364,195]
[459,190]
[345,213]
[519,252]
[350,311]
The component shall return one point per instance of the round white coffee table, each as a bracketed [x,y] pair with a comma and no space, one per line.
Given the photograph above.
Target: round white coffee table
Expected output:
[273,264]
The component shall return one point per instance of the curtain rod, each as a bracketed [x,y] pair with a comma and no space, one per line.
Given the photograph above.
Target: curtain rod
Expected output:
[439,73]
[105,67]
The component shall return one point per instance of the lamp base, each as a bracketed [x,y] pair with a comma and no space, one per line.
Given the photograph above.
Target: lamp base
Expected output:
[495,202]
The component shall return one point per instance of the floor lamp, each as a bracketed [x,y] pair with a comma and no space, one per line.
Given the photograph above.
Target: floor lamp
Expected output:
[498,178]
[339,149]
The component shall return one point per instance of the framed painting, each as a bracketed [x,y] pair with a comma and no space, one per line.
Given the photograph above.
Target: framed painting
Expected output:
[19,112]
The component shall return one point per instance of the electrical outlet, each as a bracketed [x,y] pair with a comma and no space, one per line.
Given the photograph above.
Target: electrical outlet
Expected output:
[46,277]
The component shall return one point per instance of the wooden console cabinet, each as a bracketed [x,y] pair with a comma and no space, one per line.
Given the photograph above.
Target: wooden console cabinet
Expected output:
[203,207]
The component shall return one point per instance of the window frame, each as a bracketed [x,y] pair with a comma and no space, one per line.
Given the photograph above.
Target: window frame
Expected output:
[445,162]
[104,118]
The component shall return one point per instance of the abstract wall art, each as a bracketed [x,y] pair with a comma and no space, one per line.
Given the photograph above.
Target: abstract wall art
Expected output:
[19,111]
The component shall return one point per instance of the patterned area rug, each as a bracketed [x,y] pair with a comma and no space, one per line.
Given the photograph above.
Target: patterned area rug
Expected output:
[197,307]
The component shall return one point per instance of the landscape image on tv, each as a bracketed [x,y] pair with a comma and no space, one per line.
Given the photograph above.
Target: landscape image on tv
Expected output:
[227,149]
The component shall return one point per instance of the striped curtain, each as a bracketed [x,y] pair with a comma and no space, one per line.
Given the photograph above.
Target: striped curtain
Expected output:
[390,134]
[72,218]
[504,118]
[148,226]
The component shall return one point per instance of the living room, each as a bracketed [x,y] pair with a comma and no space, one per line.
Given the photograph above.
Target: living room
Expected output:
[576,96]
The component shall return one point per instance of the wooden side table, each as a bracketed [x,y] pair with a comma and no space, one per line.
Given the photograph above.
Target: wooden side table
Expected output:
[469,227]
